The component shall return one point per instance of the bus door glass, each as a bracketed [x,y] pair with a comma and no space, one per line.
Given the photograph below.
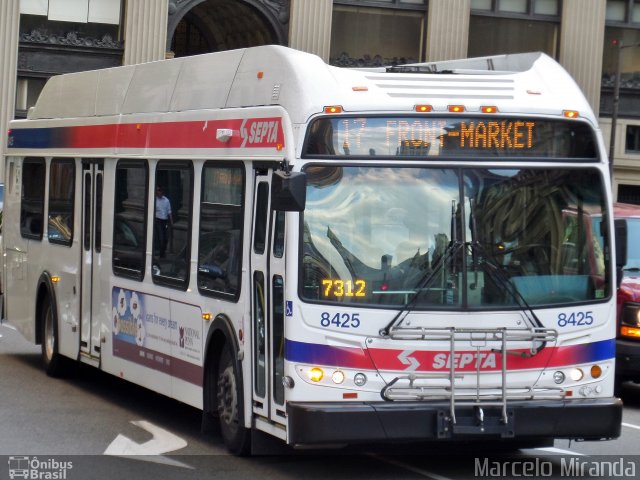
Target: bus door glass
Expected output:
[267,266]
[92,184]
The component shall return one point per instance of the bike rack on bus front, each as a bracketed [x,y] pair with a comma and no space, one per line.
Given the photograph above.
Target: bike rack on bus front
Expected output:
[412,387]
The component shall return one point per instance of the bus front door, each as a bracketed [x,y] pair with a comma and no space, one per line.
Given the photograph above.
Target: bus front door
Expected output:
[92,177]
[267,284]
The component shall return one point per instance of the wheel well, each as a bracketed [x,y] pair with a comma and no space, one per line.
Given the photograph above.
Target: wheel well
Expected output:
[214,350]
[43,292]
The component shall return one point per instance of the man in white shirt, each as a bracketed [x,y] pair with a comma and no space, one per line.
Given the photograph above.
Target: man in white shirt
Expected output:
[162,221]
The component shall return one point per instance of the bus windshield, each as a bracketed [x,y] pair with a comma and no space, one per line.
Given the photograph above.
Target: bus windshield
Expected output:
[454,237]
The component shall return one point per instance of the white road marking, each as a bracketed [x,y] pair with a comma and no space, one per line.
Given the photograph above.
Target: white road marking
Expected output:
[150,451]
[411,468]
[631,425]
[560,451]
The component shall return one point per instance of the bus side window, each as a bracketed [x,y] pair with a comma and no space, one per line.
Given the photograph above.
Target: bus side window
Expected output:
[260,235]
[219,241]
[32,202]
[172,236]
[61,198]
[130,219]
[278,241]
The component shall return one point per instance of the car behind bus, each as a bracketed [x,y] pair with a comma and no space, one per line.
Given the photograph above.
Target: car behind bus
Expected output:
[628,310]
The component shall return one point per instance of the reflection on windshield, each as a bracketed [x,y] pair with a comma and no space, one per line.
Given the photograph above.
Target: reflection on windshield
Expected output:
[385,236]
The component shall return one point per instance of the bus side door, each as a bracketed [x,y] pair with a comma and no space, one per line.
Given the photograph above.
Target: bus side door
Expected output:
[267,304]
[91,239]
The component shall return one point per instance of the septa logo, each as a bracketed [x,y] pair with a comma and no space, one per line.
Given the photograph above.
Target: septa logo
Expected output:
[465,360]
[262,132]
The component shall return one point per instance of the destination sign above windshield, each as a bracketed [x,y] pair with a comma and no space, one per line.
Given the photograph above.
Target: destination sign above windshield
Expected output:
[468,137]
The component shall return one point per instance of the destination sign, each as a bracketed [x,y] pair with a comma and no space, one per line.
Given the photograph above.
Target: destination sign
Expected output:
[450,137]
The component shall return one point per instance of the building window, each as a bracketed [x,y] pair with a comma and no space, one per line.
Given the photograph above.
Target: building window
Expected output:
[622,28]
[623,12]
[629,194]
[633,139]
[83,11]
[513,26]
[621,55]
[363,36]
[527,8]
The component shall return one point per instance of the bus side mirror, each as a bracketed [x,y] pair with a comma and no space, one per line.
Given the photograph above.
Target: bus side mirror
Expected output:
[288,191]
[621,247]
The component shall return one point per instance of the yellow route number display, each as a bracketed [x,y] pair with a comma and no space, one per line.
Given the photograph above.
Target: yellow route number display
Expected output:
[340,288]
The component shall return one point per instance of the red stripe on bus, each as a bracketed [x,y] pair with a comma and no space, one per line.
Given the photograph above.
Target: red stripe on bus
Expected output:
[248,133]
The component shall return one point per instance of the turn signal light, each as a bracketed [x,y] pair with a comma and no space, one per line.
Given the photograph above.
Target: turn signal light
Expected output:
[630,332]
[596,371]
[570,113]
[333,109]
[316,374]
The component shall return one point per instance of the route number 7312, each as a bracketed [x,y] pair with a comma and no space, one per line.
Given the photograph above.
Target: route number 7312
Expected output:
[339,288]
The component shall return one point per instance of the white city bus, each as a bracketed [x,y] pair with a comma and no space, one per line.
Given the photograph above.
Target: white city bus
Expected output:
[397,254]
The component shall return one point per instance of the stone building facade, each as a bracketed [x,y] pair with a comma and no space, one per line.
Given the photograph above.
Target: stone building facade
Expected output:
[41,38]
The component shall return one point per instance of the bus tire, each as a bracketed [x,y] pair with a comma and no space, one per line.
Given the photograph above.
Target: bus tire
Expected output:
[230,404]
[52,361]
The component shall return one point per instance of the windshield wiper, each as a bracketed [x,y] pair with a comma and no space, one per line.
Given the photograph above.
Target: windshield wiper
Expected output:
[454,246]
[424,282]
[495,272]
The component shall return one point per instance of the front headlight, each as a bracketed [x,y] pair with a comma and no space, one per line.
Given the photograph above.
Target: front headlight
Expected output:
[630,321]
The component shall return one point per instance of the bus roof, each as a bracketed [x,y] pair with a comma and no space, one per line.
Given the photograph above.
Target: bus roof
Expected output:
[303,84]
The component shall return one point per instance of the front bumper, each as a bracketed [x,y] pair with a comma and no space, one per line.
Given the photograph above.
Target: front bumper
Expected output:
[352,423]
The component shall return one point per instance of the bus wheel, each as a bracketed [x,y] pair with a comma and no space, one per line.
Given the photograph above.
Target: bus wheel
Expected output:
[51,359]
[230,406]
